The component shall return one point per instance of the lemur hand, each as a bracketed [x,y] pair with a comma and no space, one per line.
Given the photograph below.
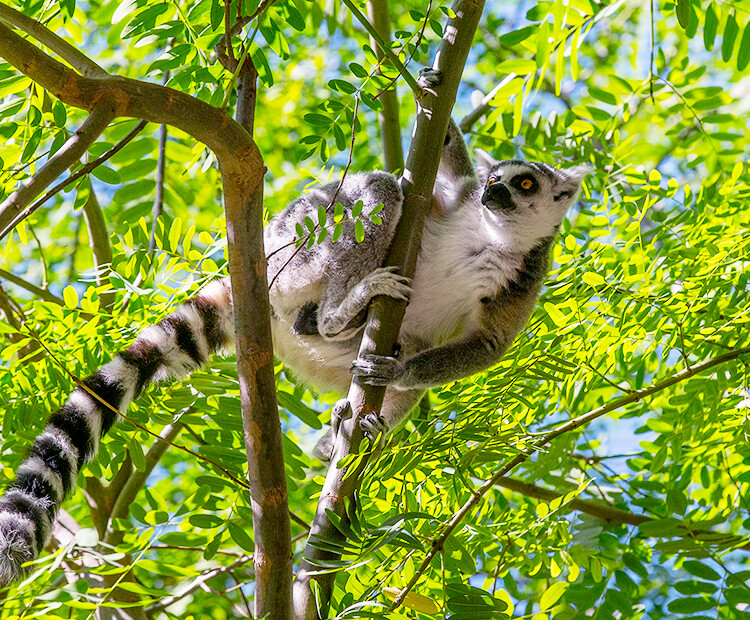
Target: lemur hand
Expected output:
[377,369]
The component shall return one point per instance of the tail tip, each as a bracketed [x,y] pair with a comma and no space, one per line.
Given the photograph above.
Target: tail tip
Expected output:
[15,548]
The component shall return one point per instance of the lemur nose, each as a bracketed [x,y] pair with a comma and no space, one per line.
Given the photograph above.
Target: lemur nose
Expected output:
[497,197]
[497,192]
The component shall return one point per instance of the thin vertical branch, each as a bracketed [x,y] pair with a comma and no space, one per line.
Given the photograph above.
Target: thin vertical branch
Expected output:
[100,246]
[390,125]
[272,555]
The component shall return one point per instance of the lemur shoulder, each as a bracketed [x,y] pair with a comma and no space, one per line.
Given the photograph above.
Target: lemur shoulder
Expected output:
[483,258]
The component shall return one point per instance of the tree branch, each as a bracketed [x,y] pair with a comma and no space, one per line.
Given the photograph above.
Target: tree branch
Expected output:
[595,509]
[41,293]
[80,62]
[212,126]
[74,148]
[136,480]
[385,314]
[392,58]
[272,554]
[566,427]
[197,583]
[100,246]
[390,125]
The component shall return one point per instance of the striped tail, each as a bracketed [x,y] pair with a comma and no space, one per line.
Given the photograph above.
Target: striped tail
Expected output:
[181,343]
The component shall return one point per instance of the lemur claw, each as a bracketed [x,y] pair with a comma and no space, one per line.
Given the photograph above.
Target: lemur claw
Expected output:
[387,281]
[373,426]
[377,369]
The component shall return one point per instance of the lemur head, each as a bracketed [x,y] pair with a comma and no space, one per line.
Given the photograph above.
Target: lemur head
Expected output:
[529,197]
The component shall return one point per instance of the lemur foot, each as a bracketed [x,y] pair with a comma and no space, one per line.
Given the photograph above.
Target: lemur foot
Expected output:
[386,281]
[323,450]
[430,78]
[374,426]
[340,412]
[377,369]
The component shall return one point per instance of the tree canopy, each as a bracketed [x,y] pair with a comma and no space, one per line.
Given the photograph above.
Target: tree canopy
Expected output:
[601,469]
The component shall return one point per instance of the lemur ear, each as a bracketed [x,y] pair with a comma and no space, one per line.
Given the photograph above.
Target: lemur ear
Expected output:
[485,163]
[569,182]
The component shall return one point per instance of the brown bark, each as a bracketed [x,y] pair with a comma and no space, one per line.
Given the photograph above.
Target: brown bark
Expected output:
[242,172]
[272,555]
[385,314]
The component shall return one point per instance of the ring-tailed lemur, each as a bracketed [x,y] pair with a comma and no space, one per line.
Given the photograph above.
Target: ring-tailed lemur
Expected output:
[483,258]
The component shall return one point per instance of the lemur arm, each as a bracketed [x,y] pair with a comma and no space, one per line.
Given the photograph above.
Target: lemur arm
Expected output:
[437,366]
[456,178]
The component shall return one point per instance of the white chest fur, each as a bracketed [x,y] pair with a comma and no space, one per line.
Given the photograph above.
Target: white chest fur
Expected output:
[464,257]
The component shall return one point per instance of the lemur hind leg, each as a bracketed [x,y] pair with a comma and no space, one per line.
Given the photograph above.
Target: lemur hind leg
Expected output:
[354,273]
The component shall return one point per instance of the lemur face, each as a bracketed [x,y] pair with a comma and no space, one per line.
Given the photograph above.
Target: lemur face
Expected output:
[528,193]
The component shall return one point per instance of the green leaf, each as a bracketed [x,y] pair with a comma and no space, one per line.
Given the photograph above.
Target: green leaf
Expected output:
[317,119]
[295,406]
[683,12]
[553,594]
[106,174]
[603,95]
[710,27]
[691,605]
[730,36]
[521,66]
[205,521]
[699,569]
[136,454]
[70,296]
[240,536]
[517,36]
[743,55]
[593,279]
[359,231]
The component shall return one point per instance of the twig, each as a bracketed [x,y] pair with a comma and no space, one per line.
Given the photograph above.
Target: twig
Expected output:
[100,246]
[197,583]
[73,149]
[63,184]
[390,126]
[566,427]
[387,88]
[42,293]
[397,64]
[80,62]
[137,478]
[335,194]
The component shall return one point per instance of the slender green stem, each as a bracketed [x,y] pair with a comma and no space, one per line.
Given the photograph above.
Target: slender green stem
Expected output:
[410,80]
[571,425]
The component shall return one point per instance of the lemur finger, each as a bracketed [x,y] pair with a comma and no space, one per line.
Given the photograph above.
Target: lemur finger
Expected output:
[373,425]
[377,369]
[386,282]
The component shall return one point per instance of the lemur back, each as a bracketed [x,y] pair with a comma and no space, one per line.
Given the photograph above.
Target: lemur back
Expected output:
[482,262]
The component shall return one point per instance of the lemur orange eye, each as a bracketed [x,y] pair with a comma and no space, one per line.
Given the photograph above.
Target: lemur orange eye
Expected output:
[490,181]
[526,184]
